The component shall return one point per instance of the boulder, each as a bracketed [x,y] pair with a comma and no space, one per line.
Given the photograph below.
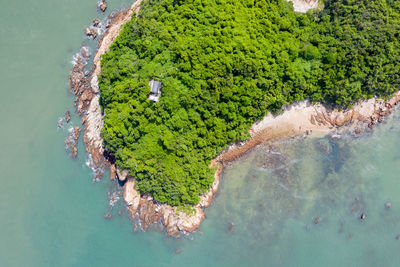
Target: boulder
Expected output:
[74,151]
[67,116]
[96,22]
[60,123]
[84,100]
[91,32]
[76,132]
[102,5]
[85,52]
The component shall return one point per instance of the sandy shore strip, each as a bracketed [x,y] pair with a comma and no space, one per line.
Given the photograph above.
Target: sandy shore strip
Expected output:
[304,118]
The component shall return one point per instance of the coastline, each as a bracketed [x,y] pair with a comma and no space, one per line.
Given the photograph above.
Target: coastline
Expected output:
[303,118]
[143,209]
[296,120]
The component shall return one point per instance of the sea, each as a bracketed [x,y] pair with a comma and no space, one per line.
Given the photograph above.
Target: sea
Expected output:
[296,202]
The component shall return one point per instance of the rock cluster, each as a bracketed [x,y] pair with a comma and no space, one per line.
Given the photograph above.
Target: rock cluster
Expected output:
[371,112]
[78,82]
[335,118]
[87,100]
[83,85]
[72,141]
[148,211]
[94,30]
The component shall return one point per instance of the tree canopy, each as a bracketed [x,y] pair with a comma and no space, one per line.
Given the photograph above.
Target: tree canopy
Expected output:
[223,65]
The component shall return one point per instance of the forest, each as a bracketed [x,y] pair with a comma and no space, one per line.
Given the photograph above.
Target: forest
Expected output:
[225,64]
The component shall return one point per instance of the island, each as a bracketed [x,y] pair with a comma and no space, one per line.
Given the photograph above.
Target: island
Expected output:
[178,88]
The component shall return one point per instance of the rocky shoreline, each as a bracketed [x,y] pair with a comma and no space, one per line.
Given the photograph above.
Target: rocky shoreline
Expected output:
[298,119]
[302,118]
[142,208]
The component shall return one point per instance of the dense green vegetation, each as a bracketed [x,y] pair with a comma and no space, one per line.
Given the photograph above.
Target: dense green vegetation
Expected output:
[223,65]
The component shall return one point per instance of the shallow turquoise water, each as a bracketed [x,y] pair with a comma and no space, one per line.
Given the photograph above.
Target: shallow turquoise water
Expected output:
[51,214]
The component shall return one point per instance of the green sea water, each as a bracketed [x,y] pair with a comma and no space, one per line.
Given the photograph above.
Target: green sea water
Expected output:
[52,214]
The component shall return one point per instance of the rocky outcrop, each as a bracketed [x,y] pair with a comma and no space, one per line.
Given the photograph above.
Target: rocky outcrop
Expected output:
[77,76]
[96,22]
[93,121]
[83,84]
[60,123]
[122,175]
[84,100]
[102,5]
[89,102]
[67,116]
[72,140]
[91,32]
[148,211]
[113,171]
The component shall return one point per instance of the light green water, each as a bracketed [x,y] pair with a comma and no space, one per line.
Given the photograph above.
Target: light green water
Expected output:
[51,214]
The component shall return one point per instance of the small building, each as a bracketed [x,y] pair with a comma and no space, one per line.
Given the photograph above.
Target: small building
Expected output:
[155,90]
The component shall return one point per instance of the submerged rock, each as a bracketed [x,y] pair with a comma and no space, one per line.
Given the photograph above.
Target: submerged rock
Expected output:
[67,116]
[60,123]
[77,76]
[74,151]
[231,226]
[341,229]
[317,220]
